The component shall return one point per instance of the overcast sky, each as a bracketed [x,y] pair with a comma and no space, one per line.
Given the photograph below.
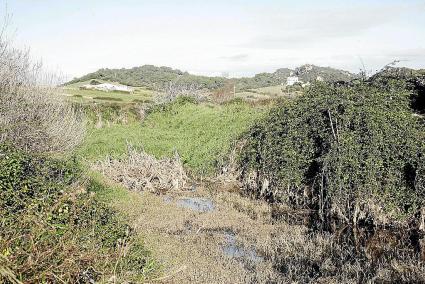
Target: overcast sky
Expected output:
[240,37]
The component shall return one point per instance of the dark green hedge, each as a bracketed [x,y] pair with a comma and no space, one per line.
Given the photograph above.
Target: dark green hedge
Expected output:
[338,147]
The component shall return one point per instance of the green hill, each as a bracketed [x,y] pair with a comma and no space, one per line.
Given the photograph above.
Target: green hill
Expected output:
[310,73]
[153,77]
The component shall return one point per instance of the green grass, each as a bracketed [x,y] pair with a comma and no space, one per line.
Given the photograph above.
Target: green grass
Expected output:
[251,96]
[84,96]
[272,90]
[202,134]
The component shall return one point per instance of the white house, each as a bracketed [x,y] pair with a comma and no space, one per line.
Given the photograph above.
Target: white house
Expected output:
[292,80]
[107,87]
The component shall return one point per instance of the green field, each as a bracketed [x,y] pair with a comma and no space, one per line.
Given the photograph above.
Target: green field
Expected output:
[272,90]
[201,133]
[261,93]
[75,94]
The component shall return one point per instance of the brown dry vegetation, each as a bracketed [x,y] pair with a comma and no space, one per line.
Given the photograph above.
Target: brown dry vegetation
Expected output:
[272,243]
[140,171]
[33,116]
[189,245]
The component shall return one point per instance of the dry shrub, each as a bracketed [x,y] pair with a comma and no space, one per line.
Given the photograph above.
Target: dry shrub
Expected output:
[141,171]
[34,116]
[224,94]
[345,256]
[173,90]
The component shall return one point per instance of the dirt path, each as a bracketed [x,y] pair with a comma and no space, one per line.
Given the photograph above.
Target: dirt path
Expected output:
[206,235]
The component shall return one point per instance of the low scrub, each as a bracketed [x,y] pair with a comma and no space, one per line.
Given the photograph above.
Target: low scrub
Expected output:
[109,99]
[53,229]
[175,90]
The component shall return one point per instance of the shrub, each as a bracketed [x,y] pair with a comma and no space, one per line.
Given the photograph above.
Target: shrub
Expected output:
[54,230]
[95,82]
[34,116]
[175,90]
[340,150]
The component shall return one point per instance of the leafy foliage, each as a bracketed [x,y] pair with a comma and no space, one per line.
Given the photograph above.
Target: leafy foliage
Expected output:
[53,230]
[338,147]
[310,73]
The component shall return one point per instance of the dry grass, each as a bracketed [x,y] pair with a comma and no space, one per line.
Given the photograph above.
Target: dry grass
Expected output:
[174,90]
[140,171]
[6,273]
[33,115]
[189,244]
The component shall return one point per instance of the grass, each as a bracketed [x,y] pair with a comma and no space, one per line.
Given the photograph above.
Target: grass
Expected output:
[272,90]
[251,96]
[84,96]
[127,205]
[201,133]
[261,93]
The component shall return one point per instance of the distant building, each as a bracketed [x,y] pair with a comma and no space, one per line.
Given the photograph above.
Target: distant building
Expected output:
[292,80]
[107,87]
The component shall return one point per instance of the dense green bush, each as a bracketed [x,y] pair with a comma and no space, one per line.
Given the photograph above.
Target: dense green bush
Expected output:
[52,228]
[340,149]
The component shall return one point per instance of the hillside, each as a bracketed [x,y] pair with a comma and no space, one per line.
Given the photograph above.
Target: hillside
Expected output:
[153,77]
[310,73]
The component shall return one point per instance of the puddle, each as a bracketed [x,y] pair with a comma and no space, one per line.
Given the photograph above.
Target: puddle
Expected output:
[196,204]
[231,249]
[168,199]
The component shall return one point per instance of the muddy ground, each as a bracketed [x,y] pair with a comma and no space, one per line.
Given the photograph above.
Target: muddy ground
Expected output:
[206,235]
[213,234]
